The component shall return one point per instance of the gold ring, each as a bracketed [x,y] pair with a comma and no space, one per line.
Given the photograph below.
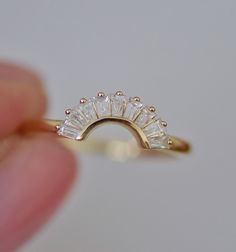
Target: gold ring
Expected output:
[143,122]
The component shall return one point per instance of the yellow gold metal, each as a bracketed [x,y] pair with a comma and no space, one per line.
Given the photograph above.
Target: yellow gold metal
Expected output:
[131,126]
[152,109]
[52,126]
[164,123]
[95,109]
[151,121]
[119,93]
[124,108]
[83,100]
[101,94]
[57,127]
[68,111]
[170,142]
[137,115]
[137,99]
[110,108]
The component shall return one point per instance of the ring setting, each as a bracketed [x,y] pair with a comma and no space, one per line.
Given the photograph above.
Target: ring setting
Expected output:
[142,120]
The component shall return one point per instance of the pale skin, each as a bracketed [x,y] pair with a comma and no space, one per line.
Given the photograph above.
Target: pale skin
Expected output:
[36,171]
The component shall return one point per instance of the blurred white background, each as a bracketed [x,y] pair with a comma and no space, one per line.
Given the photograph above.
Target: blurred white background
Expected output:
[178,55]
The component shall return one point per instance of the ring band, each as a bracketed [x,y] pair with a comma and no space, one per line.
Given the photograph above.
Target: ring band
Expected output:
[143,122]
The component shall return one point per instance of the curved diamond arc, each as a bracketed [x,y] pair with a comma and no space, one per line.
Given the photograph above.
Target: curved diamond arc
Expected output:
[118,108]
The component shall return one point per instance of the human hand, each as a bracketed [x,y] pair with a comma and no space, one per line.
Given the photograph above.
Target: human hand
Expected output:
[35,171]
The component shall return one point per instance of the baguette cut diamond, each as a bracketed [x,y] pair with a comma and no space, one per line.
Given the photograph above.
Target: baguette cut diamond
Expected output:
[68,131]
[103,106]
[141,118]
[87,109]
[159,142]
[132,109]
[155,128]
[145,117]
[76,119]
[118,103]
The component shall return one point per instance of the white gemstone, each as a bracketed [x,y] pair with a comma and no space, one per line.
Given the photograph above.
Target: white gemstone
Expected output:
[87,109]
[145,117]
[76,119]
[117,104]
[132,109]
[155,129]
[103,106]
[68,131]
[159,142]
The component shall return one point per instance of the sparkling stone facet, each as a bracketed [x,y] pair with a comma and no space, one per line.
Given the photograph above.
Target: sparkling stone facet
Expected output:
[87,109]
[160,142]
[132,109]
[103,106]
[145,117]
[117,104]
[68,131]
[76,119]
[155,129]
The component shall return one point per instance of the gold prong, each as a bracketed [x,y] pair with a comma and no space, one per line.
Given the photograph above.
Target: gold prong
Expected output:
[164,123]
[137,99]
[68,111]
[119,93]
[152,109]
[101,94]
[83,100]
[57,127]
[170,142]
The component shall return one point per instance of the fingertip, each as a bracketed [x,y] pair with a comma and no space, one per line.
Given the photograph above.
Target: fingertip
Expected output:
[22,96]
[32,186]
